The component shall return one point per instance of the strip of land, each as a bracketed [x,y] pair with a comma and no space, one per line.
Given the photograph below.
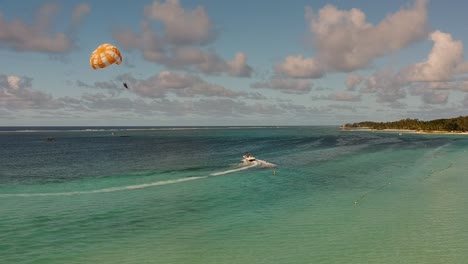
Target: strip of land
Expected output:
[406,131]
[448,126]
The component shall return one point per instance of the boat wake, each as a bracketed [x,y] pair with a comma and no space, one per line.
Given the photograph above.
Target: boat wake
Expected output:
[247,165]
[265,164]
[243,166]
[106,190]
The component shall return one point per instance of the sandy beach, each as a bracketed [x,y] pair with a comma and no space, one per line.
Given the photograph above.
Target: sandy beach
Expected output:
[435,132]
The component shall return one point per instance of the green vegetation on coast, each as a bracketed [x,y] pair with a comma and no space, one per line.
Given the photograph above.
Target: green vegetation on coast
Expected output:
[458,124]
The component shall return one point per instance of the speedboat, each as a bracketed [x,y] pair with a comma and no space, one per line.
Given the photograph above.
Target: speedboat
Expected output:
[248,158]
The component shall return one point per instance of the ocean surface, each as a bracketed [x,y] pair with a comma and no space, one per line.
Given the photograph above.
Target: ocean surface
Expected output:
[182,195]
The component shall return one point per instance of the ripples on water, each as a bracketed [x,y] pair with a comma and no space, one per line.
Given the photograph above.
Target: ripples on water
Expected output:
[181,196]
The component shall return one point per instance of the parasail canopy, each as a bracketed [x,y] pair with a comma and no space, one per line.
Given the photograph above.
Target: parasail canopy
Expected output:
[105,55]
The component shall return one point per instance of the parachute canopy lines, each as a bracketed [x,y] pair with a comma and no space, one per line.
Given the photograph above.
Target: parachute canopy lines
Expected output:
[105,55]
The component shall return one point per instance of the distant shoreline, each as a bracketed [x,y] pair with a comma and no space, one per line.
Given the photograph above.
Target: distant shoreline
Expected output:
[433,132]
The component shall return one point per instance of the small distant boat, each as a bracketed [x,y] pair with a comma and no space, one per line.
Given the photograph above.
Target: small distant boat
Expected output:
[49,139]
[248,158]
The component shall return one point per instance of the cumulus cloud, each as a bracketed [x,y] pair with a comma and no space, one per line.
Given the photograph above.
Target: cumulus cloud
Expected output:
[174,80]
[201,107]
[390,94]
[285,85]
[434,97]
[353,81]
[181,84]
[429,96]
[389,87]
[16,93]
[205,61]
[38,36]
[208,62]
[182,27]
[169,82]
[238,66]
[182,43]
[299,67]
[13,82]
[445,59]
[344,41]
[113,88]
[426,79]
[149,42]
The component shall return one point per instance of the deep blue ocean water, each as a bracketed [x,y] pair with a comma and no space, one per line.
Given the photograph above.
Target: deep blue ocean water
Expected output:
[182,195]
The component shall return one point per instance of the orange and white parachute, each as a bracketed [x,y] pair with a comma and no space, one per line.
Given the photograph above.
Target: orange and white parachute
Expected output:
[105,55]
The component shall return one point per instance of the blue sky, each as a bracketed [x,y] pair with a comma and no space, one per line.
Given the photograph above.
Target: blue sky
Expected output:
[232,62]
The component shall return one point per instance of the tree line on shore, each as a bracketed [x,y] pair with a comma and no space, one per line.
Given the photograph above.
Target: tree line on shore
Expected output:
[457,124]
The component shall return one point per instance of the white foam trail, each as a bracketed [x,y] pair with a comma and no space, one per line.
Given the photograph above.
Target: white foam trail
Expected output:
[265,164]
[106,190]
[254,163]
[139,186]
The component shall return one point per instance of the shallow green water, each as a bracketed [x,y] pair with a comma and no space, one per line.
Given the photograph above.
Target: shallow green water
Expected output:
[338,197]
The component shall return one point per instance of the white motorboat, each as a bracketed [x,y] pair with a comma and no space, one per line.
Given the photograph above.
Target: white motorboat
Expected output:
[248,158]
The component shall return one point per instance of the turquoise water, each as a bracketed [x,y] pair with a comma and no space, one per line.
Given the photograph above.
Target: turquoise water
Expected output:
[337,197]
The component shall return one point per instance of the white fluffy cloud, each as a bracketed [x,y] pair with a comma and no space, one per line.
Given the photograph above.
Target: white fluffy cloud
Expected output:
[151,45]
[169,82]
[208,62]
[16,93]
[238,66]
[426,79]
[183,85]
[299,67]
[182,27]
[38,36]
[13,82]
[181,44]
[442,63]
[386,85]
[344,41]
[195,97]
